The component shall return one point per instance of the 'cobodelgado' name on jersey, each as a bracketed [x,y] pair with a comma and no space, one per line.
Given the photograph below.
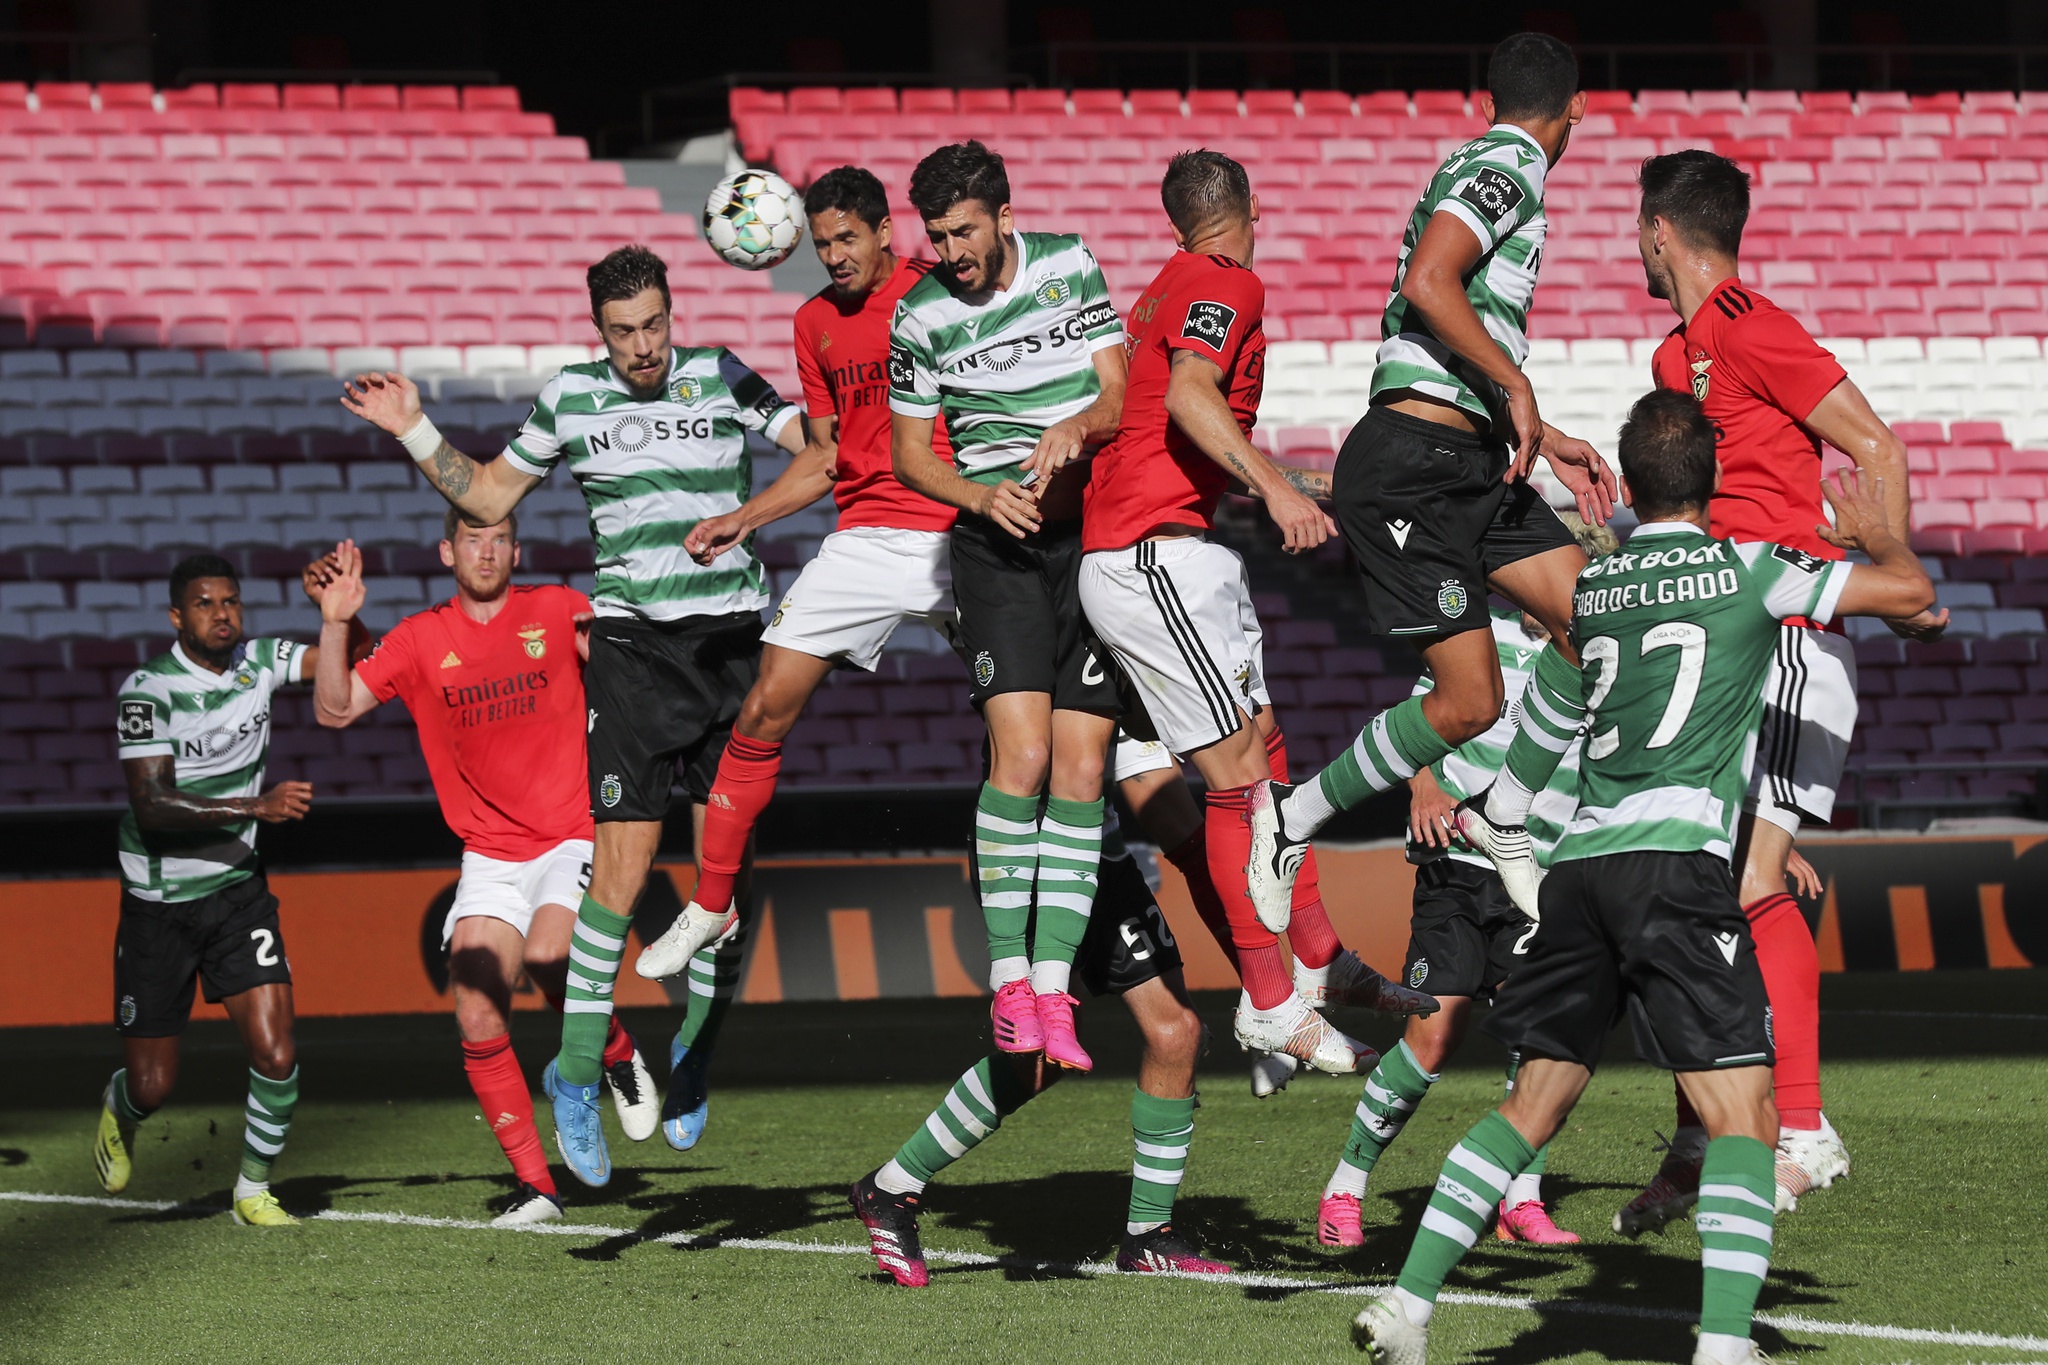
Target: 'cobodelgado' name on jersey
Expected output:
[651,469]
[1005,366]
[215,727]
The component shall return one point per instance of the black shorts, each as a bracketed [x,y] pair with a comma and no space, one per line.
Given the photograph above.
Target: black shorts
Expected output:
[1128,942]
[663,696]
[1021,624]
[1662,934]
[1465,937]
[229,940]
[1424,510]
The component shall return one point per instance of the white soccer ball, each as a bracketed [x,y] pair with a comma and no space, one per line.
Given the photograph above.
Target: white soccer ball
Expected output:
[753,219]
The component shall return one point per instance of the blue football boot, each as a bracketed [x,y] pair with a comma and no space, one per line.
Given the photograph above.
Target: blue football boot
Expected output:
[579,1127]
[689,1099]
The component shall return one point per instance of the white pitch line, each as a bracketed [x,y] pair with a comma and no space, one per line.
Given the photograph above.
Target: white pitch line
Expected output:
[1789,1322]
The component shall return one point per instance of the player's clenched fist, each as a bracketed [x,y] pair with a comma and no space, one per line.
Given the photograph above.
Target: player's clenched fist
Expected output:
[285,801]
[389,400]
[713,536]
[1013,507]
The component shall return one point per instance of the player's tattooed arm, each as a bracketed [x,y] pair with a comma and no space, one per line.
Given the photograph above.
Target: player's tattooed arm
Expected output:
[1310,483]
[160,803]
[484,491]
[1196,403]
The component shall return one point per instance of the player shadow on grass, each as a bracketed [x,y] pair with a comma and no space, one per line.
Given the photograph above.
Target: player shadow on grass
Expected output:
[710,1214]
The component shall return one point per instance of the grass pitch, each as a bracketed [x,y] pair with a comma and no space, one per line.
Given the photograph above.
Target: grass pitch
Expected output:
[1937,1243]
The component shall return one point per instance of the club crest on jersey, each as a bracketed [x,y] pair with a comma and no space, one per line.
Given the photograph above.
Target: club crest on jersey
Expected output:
[1244,680]
[138,721]
[611,791]
[780,611]
[1053,293]
[984,669]
[245,678]
[1494,193]
[1451,598]
[1418,972]
[686,389]
[536,641]
[128,1010]
[1210,322]
[1700,365]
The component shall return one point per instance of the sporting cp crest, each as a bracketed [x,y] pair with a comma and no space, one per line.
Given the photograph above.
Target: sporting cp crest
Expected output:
[1451,599]
[686,389]
[611,791]
[1418,972]
[536,641]
[984,669]
[1053,293]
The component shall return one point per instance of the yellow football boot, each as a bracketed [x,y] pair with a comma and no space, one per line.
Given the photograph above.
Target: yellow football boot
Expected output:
[261,1210]
[112,1149]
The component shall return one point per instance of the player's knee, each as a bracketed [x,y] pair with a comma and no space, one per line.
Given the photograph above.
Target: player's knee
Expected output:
[273,1057]
[1175,1039]
[761,718]
[1022,767]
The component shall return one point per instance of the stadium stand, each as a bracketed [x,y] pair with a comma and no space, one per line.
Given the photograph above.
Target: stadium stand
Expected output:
[183,273]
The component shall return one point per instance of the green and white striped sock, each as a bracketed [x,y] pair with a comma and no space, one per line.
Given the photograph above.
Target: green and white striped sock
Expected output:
[975,1107]
[1738,1194]
[125,1108]
[1392,1091]
[1547,719]
[1475,1176]
[1161,1130]
[1006,856]
[1069,861]
[714,976]
[266,1122]
[1387,752]
[594,952]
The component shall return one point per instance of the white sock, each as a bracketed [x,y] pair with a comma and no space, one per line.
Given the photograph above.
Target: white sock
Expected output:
[1292,1006]
[895,1180]
[1050,977]
[1135,1228]
[1417,1309]
[244,1187]
[1347,1179]
[1306,810]
[1004,970]
[1508,802]
[1721,1346]
[1307,977]
[1524,1189]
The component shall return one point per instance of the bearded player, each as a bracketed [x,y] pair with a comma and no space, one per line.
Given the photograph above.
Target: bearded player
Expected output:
[1175,607]
[886,563]
[1774,396]
[493,678]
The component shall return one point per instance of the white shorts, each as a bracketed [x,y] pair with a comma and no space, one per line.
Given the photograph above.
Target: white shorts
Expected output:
[1809,716]
[513,891]
[1178,616]
[1131,758]
[864,583]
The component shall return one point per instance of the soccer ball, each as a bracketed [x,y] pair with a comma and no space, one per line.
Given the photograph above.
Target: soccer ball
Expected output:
[753,219]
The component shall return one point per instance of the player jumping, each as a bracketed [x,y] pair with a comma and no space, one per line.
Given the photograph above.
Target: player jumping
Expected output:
[654,435]
[1128,951]
[885,564]
[1774,395]
[494,681]
[1432,491]
[1640,912]
[1175,606]
[194,734]
[1013,339]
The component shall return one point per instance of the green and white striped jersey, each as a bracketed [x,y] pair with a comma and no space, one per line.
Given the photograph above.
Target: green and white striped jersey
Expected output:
[1471,767]
[651,469]
[1004,366]
[1676,631]
[1493,185]
[215,727]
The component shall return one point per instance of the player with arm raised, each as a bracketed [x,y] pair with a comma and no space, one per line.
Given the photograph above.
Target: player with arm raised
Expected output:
[1775,396]
[1014,341]
[194,735]
[1640,913]
[886,563]
[654,435]
[1175,607]
[493,678]
[1432,490]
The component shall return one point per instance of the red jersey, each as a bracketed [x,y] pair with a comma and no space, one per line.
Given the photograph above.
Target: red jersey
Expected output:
[842,354]
[499,705]
[1151,476]
[1759,376]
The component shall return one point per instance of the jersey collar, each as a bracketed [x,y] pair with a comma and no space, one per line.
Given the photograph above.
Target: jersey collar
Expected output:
[1516,130]
[1732,282]
[675,357]
[207,675]
[1665,528]
[1023,264]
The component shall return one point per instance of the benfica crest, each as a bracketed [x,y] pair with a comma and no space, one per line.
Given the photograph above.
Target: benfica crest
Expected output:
[536,641]
[1700,365]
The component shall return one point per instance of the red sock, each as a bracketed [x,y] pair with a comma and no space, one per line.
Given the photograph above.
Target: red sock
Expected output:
[1192,858]
[1309,933]
[1791,968]
[741,791]
[1228,837]
[501,1090]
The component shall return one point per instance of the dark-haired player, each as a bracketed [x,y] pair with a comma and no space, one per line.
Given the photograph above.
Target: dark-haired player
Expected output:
[194,734]
[1175,607]
[886,563]
[1014,341]
[1774,395]
[1640,913]
[1432,492]
[493,678]
[654,435]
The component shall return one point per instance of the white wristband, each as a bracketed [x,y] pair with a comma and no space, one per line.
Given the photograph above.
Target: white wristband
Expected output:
[422,441]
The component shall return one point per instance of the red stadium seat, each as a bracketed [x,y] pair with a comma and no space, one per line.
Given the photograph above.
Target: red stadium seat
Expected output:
[430,97]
